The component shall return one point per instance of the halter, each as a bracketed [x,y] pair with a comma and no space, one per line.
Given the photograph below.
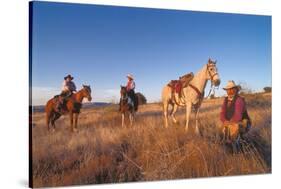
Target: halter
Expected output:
[200,95]
[211,76]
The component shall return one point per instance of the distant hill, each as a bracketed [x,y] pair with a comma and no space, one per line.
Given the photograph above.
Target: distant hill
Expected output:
[87,105]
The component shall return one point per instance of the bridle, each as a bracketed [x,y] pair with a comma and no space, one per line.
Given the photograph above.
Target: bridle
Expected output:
[210,74]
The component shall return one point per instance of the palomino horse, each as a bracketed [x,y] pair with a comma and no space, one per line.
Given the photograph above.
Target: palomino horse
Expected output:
[126,107]
[73,106]
[192,95]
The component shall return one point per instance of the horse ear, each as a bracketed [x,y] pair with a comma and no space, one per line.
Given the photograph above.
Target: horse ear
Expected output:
[83,86]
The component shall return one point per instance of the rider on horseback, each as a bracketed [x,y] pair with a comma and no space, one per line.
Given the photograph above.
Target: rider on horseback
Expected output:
[131,91]
[130,88]
[68,87]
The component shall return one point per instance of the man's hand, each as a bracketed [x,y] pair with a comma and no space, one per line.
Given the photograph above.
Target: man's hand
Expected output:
[226,122]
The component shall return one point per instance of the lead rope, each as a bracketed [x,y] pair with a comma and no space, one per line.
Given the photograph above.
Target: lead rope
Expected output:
[210,91]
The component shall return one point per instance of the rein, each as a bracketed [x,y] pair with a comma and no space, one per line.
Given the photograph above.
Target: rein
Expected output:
[78,96]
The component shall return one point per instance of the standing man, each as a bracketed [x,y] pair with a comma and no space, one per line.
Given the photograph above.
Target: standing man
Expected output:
[234,115]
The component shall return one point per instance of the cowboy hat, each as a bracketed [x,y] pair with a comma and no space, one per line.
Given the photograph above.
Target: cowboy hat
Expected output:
[68,76]
[130,76]
[231,84]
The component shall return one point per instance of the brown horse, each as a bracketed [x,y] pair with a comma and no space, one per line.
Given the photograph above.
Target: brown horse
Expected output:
[125,106]
[73,106]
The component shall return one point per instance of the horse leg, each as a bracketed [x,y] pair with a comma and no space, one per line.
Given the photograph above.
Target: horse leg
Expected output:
[55,117]
[131,116]
[71,121]
[175,107]
[196,121]
[48,116]
[131,119]
[76,120]
[123,119]
[188,106]
[165,111]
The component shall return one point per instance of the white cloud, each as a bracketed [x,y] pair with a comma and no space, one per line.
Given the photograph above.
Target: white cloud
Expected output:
[106,95]
[40,95]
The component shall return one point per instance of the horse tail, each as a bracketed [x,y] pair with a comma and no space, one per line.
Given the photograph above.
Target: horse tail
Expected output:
[166,93]
[48,110]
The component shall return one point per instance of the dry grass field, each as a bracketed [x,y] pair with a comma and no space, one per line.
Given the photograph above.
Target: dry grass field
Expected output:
[104,152]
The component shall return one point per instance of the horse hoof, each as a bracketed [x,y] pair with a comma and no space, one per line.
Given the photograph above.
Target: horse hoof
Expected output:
[75,130]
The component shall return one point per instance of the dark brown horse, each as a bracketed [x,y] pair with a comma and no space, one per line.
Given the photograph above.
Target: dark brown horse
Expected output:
[126,107]
[72,106]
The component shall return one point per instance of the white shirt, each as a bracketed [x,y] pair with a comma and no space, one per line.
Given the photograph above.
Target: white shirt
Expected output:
[68,86]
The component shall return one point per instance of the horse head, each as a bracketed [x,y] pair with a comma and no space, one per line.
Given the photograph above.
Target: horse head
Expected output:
[86,92]
[123,92]
[213,74]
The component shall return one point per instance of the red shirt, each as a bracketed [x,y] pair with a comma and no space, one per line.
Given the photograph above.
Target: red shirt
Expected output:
[130,85]
[239,109]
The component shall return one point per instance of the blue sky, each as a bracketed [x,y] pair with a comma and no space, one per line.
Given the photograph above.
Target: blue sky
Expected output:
[99,45]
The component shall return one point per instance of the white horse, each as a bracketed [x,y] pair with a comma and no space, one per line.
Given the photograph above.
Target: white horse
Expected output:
[192,95]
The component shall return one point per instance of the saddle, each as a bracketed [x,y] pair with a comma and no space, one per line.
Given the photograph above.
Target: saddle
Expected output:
[182,82]
[61,101]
